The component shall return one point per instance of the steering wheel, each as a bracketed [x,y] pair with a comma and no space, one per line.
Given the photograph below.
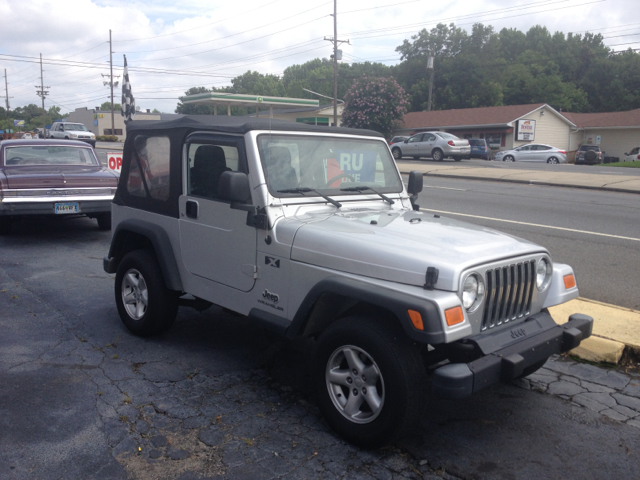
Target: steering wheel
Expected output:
[15,160]
[338,177]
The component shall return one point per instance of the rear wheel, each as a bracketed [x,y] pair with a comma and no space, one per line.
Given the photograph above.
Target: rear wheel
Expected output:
[104,221]
[457,159]
[437,155]
[397,154]
[5,225]
[553,160]
[146,306]
[369,382]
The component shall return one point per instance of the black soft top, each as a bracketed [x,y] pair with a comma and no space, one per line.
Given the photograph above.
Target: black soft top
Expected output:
[239,125]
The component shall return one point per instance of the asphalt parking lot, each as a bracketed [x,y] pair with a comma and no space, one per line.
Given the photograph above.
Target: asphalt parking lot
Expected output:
[215,397]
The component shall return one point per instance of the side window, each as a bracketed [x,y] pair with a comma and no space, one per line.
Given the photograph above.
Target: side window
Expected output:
[415,139]
[634,151]
[429,138]
[207,162]
[542,147]
[526,148]
[150,167]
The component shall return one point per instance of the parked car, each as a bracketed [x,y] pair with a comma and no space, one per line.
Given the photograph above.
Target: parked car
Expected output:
[480,148]
[72,131]
[632,156]
[533,153]
[589,155]
[53,177]
[316,237]
[437,145]
[397,140]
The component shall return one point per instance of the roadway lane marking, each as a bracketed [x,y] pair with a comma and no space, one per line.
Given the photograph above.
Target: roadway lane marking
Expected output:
[447,188]
[531,224]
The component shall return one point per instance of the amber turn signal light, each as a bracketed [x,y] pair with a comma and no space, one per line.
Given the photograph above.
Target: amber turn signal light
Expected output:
[569,281]
[416,319]
[454,316]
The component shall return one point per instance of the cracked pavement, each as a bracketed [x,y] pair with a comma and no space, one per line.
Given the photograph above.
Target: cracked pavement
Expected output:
[215,397]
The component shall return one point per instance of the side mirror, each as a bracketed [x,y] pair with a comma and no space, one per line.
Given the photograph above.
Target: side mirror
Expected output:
[406,141]
[414,187]
[234,186]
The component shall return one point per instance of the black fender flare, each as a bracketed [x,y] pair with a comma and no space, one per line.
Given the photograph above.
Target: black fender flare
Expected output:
[158,238]
[396,302]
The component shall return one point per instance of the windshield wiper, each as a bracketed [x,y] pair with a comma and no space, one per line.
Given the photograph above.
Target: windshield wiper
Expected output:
[311,190]
[361,188]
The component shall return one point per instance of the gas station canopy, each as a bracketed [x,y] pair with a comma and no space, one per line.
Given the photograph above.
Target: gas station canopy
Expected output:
[216,99]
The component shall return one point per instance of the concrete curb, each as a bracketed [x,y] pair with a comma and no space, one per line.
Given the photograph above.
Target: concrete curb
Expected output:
[614,329]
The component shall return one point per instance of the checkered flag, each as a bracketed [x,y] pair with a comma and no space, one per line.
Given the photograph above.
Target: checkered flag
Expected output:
[128,102]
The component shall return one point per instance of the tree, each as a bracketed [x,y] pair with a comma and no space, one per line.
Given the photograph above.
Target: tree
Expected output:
[107,107]
[375,103]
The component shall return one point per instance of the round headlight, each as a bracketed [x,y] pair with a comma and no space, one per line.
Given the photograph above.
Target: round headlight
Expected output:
[472,292]
[543,274]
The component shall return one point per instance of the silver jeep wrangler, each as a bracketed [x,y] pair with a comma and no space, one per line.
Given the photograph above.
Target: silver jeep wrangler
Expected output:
[310,232]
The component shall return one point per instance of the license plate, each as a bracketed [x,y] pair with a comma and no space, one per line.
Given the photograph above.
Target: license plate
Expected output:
[67,207]
[463,149]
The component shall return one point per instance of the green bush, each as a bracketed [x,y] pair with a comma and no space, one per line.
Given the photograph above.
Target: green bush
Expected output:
[106,138]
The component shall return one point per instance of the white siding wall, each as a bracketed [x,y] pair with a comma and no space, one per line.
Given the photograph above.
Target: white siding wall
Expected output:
[614,142]
[550,130]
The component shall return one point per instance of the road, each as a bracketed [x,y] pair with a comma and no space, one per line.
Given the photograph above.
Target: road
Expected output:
[215,397]
[597,233]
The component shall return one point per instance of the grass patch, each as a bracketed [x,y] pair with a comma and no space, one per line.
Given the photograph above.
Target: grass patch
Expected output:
[624,164]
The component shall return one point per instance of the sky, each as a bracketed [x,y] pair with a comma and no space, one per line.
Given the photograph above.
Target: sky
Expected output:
[172,46]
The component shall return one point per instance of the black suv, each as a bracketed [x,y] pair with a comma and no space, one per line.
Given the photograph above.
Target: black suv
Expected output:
[589,155]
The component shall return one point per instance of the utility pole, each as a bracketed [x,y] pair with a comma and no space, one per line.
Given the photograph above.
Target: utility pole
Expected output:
[43,93]
[6,88]
[111,83]
[431,70]
[335,42]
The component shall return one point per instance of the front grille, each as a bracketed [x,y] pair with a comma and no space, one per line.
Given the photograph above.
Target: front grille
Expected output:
[509,291]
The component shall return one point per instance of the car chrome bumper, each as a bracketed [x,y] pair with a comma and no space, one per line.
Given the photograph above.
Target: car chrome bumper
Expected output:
[519,347]
[46,205]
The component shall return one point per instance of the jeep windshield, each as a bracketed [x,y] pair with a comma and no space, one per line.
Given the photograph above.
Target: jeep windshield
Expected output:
[297,165]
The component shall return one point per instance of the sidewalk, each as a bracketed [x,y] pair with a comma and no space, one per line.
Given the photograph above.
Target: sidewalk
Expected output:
[616,183]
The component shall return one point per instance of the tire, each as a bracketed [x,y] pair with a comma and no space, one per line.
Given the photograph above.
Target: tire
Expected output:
[437,155]
[553,160]
[151,307]
[5,225]
[104,221]
[590,156]
[457,159]
[396,386]
[509,158]
[397,153]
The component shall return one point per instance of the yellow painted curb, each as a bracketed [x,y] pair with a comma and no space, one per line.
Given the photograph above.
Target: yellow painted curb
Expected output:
[619,325]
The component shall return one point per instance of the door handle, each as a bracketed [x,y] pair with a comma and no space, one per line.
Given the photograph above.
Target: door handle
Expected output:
[192,209]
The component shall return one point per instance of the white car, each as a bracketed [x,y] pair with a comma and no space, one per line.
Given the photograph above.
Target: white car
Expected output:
[533,153]
[632,156]
[26,136]
[72,131]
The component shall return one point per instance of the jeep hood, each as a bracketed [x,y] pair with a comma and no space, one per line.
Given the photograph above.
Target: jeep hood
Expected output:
[399,245]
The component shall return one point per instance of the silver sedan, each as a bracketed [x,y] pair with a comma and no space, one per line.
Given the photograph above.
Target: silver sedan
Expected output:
[533,153]
[437,145]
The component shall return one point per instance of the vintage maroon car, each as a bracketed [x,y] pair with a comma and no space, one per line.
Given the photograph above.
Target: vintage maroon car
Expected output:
[53,177]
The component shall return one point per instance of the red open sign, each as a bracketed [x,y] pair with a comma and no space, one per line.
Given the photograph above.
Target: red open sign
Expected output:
[114,161]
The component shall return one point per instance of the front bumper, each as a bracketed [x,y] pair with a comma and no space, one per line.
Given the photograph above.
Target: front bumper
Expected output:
[508,352]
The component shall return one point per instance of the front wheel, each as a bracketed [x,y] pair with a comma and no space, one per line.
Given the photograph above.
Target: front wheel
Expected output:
[508,158]
[146,306]
[369,382]
[437,155]
[397,154]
